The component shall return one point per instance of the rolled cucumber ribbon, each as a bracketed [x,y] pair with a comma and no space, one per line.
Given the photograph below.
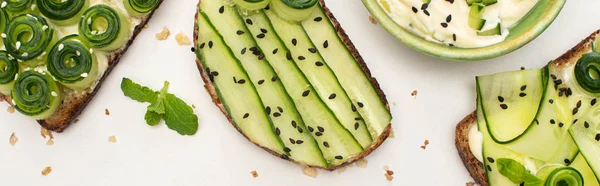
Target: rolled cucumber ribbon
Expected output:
[560,175]
[104,28]
[72,64]
[294,10]
[63,12]
[9,68]
[28,36]
[587,72]
[4,19]
[252,4]
[35,94]
[17,6]
[140,8]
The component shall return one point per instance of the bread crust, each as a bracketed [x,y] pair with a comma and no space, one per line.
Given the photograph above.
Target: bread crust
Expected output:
[342,34]
[473,165]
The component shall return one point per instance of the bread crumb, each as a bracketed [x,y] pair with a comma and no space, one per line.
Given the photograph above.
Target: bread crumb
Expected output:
[46,133]
[10,109]
[372,20]
[182,39]
[112,139]
[146,25]
[50,142]
[388,177]
[340,170]
[471,183]
[164,34]
[388,173]
[386,168]
[309,171]
[13,139]
[362,163]
[393,103]
[414,94]
[254,174]
[76,120]
[424,146]
[107,112]
[193,106]
[46,171]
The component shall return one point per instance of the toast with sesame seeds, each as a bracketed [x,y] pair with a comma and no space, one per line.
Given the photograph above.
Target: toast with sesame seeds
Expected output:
[73,104]
[471,163]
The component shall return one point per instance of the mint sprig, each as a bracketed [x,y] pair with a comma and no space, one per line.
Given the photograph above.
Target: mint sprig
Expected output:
[178,115]
[516,172]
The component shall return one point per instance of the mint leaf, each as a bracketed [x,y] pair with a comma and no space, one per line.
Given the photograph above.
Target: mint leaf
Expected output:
[158,106]
[138,92]
[179,116]
[516,172]
[152,118]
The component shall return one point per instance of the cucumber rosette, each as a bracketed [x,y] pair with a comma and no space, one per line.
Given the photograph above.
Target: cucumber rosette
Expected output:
[252,4]
[72,64]
[4,19]
[36,95]
[65,12]
[104,28]
[140,8]
[587,72]
[560,175]
[294,10]
[16,6]
[27,37]
[9,67]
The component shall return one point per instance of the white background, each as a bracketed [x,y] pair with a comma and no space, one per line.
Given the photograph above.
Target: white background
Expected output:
[218,155]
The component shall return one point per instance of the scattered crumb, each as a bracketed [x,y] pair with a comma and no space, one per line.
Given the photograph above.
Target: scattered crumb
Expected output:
[341,170]
[107,112]
[424,146]
[362,163]
[392,133]
[50,142]
[164,34]
[46,170]
[386,168]
[76,120]
[309,171]
[254,174]
[182,39]
[388,173]
[112,139]
[522,68]
[146,25]
[471,183]
[193,106]
[394,103]
[46,133]
[10,109]
[414,93]
[372,20]
[389,177]
[13,139]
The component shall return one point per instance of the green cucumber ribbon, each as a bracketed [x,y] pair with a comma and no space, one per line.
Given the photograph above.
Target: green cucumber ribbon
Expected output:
[294,10]
[559,175]
[15,6]
[587,72]
[9,68]
[140,7]
[300,4]
[35,94]
[27,36]
[104,28]
[252,4]
[63,12]
[72,64]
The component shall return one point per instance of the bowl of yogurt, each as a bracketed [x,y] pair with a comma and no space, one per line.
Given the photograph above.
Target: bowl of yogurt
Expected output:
[465,29]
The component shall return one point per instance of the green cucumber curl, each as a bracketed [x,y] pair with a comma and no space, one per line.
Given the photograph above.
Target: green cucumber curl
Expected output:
[294,10]
[9,68]
[35,94]
[587,72]
[71,63]
[559,175]
[104,28]
[63,12]
[140,8]
[28,36]
[17,6]
[252,5]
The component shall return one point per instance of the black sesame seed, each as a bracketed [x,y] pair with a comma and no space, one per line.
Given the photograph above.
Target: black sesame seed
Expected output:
[280,109]
[522,94]
[451,44]
[353,108]
[214,73]
[239,32]
[318,63]
[275,51]
[339,157]
[312,50]
[310,129]
[593,102]
[356,125]
[292,141]
[360,104]
[558,81]
[504,106]
[210,44]
[321,129]
[202,45]
[552,76]
[586,124]
[489,168]
[560,93]
[300,130]
[287,149]
[294,124]
[274,78]
[253,49]
[256,52]
[246,115]
[325,44]
[326,144]
[598,137]
[260,82]
[285,157]
[276,114]
[561,124]
[241,81]
[317,19]
[575,121]
[500,99]
[444,25]
[569,92]
[454,37]
[222,9]
[263,30]
[260,36]
[294,41]
[426,12]
[449,18]
[193,49]
[301,58]
[578,104]
[551,101]
[277,131]
[318,134]
[490,159]
[332,96]
[567,161]
[261,56]
[305,93]
[357,118]
[268,110]
[234,80]
[243,51]
[552,121]
[414,9]
[249,21]
[451,1]
[299,142]
[288,56]
[523,87]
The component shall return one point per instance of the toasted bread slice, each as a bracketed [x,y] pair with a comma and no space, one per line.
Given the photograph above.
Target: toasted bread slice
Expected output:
[342,34]
[73,105]
[473,165]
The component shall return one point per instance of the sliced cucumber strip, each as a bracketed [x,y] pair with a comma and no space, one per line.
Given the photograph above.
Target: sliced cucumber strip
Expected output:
[475,13]
[559,175]
[9,68]
[36,95]
[252,4]
[72,64]
[319,74]
[294,10]
[589,179]
[586,135]
[140,8]
[288,124]
[489,2]
[28,36]
[239,98]
[348,72]
[64,12]
[104,28]
[510,102]
[491,32]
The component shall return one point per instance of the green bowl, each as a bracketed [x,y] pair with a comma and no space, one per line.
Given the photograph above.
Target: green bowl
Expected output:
[529,28]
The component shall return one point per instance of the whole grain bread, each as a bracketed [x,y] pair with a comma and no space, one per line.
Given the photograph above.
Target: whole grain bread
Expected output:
[342,34]
[473,165]
[73,105]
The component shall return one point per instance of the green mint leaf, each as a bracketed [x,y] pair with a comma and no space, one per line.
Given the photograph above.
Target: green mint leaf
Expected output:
[138,92]
[515,171]
[531,180]
[179,116]
[158,106]
[153,118]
